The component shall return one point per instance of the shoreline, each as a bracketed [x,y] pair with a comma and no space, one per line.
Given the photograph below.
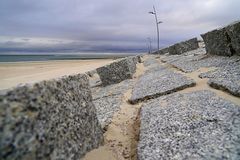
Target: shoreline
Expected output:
[58,60]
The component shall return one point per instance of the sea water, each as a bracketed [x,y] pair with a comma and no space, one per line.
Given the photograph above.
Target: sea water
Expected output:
[20,58]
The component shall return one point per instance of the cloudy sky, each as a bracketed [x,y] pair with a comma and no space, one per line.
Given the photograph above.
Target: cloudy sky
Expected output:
[106,25]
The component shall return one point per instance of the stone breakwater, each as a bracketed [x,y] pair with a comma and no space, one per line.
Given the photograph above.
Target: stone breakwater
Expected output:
[184,105]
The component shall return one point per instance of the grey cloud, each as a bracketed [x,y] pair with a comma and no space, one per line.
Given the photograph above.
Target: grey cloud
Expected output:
[105,24]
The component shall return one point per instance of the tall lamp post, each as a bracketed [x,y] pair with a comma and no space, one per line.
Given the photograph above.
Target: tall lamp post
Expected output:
[157,23]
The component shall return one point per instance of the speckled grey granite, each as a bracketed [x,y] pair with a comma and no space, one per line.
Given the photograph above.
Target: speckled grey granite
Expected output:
[193,55]
[158,83]
[217,42]
[111,90]
[108,100]
[50,120]
[161,51]
[195,52]
[196,125]
[91,73]
[106,107]
[226,78]
[233,31]
[117,71]
[185,46]
[155,68]
[192,61]
[136,59]
[94,80]
[223,41]
[139,57]
[150,60]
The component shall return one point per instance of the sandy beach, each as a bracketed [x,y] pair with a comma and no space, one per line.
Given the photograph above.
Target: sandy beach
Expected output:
[19,73]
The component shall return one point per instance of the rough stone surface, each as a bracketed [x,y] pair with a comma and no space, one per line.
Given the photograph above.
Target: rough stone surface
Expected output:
[233,31]
[224,41]
[193,60]
[108,100]
[196,125]
[161,51]
[185,46]
[155,68]
[117,71]
[139,58]
[135,59]
[106,107]
[150,60]
[95,81]
[112,90]
[217,42]
[161,82]
[225,78]
[91,73]
[50,120]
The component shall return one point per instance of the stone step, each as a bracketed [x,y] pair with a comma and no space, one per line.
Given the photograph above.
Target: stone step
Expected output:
[197,59]
[157,83]
[225,78]
[197,125]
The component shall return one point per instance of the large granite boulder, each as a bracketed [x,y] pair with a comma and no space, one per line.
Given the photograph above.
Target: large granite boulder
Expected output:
[50,120]
[223,41]
[183,47]
[117,71]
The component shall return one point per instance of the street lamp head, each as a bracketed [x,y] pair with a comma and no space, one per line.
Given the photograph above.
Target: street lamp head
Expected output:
[160,22]
[151,12]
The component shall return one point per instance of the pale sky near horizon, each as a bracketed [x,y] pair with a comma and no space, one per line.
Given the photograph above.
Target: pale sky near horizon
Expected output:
[106,25]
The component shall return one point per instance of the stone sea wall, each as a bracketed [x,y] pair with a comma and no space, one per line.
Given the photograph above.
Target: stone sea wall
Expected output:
[53,119]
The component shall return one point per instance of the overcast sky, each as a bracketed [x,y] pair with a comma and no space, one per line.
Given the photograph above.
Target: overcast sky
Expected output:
[106,25]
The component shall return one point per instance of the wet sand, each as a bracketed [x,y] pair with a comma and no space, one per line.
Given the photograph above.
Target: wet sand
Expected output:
[19,73]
